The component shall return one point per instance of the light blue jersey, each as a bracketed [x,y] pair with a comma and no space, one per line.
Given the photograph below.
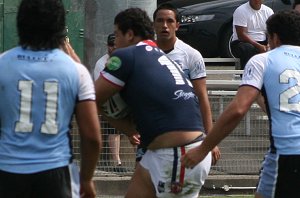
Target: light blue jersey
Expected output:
[277,75]
[38,93]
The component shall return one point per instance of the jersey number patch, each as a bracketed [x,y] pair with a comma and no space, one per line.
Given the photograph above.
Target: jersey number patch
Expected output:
[175,70]
[287,95]
[24,124]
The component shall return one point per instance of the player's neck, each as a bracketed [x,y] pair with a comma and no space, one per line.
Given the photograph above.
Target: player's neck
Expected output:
[166,45]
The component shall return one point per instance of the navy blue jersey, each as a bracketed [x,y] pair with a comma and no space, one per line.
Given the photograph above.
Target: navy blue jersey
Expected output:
[161,98]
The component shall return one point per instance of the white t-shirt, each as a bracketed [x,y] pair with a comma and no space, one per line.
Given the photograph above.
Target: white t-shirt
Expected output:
[189,59]
[100,65]
[254,20]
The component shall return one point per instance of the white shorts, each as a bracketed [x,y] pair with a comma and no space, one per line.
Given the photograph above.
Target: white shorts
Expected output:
[169,178]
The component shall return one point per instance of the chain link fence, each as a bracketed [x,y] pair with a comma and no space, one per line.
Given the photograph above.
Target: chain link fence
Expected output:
[242,151]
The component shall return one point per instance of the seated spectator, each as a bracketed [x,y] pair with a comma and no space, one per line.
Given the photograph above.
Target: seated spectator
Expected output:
[249,30]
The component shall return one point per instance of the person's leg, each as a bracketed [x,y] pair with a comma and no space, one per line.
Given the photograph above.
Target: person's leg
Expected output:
[244,51]
[114,147]
[247,51]
[140,184]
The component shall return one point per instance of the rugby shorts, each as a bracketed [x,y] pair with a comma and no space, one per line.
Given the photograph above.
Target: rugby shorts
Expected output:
[169,177]
[60,182]
[279,176]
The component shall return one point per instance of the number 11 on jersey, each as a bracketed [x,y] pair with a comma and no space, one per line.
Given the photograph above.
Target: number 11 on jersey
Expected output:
[50,124]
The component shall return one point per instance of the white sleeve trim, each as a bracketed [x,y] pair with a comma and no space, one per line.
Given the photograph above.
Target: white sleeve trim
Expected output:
[86,84]
[112,79]
[254,71]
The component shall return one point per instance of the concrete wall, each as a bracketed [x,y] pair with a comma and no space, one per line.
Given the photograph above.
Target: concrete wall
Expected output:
[99,17]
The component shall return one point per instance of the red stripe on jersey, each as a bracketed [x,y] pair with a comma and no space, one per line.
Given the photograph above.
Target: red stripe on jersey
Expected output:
[150,42]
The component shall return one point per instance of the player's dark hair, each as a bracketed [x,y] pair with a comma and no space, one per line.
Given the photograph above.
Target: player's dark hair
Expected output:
[286,25]
[41,24]
[167,6]
[136,20]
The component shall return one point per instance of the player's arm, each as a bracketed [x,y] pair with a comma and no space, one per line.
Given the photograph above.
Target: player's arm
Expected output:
[228,120]
[105,90]
[68,49]
[89,131]
[261,102]
[90,138]
[201,92]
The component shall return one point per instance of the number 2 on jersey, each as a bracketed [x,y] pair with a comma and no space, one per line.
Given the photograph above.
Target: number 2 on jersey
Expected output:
[288,94]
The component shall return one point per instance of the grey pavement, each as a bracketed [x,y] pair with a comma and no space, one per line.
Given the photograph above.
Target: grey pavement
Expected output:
[115,187]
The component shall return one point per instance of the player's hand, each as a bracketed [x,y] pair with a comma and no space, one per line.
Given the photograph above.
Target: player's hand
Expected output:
[216,155]
[192,157]
[87,189]
[68,49]
[134,139]
[262,48]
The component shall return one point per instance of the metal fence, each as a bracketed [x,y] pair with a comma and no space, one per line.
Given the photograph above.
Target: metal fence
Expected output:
[242,151]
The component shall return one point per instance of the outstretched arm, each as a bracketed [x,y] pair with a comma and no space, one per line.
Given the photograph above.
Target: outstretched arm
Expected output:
[226,123]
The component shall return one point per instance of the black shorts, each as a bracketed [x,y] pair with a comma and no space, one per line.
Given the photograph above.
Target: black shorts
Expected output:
[54,183]
[288,182]
[280,176]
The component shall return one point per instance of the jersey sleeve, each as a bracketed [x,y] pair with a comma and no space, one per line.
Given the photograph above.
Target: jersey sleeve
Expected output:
[196,66]
[119,66]
[99,66]
[86,84]
[254,71]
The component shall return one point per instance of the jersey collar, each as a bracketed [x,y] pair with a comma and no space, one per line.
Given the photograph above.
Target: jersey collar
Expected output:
[149,42]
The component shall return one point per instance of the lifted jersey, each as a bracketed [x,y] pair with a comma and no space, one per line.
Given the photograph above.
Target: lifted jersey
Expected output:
[38,93]
[155,88]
